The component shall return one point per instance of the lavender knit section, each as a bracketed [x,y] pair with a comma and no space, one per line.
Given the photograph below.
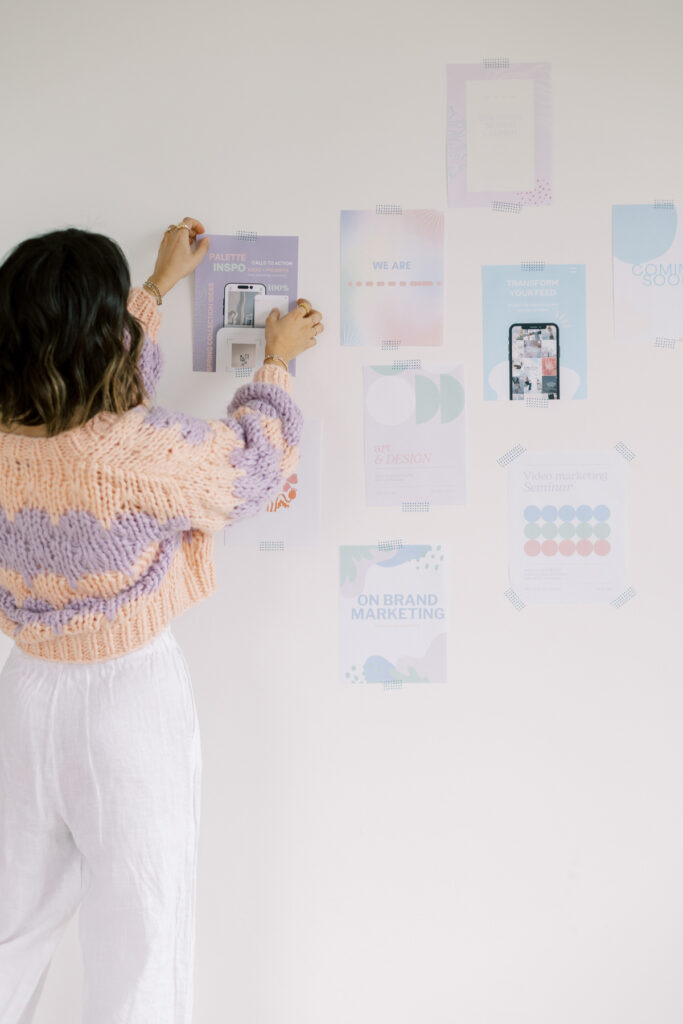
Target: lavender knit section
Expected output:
[150,361]
[79,544]
[261,461]
[37,610]
[192,429]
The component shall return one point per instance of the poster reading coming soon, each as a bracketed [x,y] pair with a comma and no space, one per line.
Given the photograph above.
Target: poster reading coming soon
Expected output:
[393,622]
[648,273]
[567,523]
[392,277]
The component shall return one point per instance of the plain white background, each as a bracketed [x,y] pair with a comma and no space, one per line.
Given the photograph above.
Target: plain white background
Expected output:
[507,847]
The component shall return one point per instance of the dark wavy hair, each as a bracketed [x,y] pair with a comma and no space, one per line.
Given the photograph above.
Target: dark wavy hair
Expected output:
[69,348]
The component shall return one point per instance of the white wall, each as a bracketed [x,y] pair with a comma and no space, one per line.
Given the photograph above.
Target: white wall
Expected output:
[505,848]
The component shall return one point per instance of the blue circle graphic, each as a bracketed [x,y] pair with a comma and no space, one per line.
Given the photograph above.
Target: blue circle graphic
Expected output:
[567,513]
[531,513]
[584,513]
[602,513]
[549,513]
[643,232]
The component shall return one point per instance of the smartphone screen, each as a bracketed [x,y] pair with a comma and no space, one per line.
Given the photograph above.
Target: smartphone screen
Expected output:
[239,304]
[534,360]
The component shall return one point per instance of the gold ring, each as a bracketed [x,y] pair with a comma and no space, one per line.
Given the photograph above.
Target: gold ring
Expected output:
[182,225]
[307,306]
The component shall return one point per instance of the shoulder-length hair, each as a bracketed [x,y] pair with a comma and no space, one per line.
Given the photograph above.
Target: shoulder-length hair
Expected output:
[69,348]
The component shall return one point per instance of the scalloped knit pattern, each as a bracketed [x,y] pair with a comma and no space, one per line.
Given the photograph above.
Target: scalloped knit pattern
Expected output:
[107,530]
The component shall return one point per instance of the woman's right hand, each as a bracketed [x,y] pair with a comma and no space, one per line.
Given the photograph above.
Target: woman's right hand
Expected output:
[290,335]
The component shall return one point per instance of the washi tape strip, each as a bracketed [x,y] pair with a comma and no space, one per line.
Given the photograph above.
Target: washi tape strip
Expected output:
[407,364]
[393,684]
[242,371]
[665,342]
[623,598]
[391,344]
[531,265]
[663,204]
[247,236]
[514,599]
[496,62]
[510,455]
[415,506]
[271,545]
[502,206]
[536,401]
[388,208]
[389,545]
[624,450]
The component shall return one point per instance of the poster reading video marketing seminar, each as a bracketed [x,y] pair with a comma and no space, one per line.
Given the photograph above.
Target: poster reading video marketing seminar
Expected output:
[534,323]
[567,521]
[414,435]
[648,273]
[392,606]
[235,287]
[392,277]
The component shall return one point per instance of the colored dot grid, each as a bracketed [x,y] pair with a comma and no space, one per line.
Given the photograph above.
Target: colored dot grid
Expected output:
[567,530]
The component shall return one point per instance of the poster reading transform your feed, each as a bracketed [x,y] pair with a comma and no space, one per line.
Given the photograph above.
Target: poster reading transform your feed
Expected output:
[393,621]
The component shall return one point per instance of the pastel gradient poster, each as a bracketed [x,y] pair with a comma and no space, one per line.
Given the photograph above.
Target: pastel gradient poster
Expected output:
[648,273]
[414,434]
[393,621]
[392,278]
[499,134]
[567,522]
[534,320]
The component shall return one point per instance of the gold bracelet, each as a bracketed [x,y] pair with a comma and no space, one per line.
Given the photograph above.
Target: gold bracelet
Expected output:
[277,357]
[150,286]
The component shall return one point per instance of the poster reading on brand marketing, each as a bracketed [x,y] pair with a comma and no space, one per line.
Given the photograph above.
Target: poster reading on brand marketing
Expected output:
[393,621]
[414,435]
[534,325]
[237,284]
[499,134]
[648,273]
[292,517]
[567,521]
[392,277]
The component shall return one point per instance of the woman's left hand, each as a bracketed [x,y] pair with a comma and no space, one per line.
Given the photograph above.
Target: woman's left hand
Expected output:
[176,258]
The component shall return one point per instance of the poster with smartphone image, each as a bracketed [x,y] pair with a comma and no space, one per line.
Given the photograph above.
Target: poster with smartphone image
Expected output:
[236,286]
[534,328]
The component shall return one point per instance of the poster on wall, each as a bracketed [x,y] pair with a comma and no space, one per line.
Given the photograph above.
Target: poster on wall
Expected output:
[534,327]
[567,526]
[392,277]
[499,148]
[292,517]
[414,434]
[648,273]
[393,621]
[237,284]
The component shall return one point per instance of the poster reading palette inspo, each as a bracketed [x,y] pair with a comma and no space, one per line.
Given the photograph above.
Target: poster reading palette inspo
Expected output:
[414,435]
[648,273]
[392,277]
[534,325]
[567,521]
[292,517]
[236,285]
[393,621]
[499,134]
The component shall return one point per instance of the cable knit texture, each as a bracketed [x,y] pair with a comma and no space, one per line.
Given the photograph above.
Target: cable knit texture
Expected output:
[107,530]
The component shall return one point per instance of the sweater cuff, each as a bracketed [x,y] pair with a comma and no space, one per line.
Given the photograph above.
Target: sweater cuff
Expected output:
[273,373]
[143,306]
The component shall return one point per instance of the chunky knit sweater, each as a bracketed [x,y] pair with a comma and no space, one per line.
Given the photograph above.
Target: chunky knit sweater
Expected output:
[107,529]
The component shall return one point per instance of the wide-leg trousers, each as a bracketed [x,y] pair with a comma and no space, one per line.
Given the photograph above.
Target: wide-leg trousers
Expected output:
[100,777]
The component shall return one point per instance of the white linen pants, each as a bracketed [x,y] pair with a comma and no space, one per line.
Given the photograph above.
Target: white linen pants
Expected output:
[100,774]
